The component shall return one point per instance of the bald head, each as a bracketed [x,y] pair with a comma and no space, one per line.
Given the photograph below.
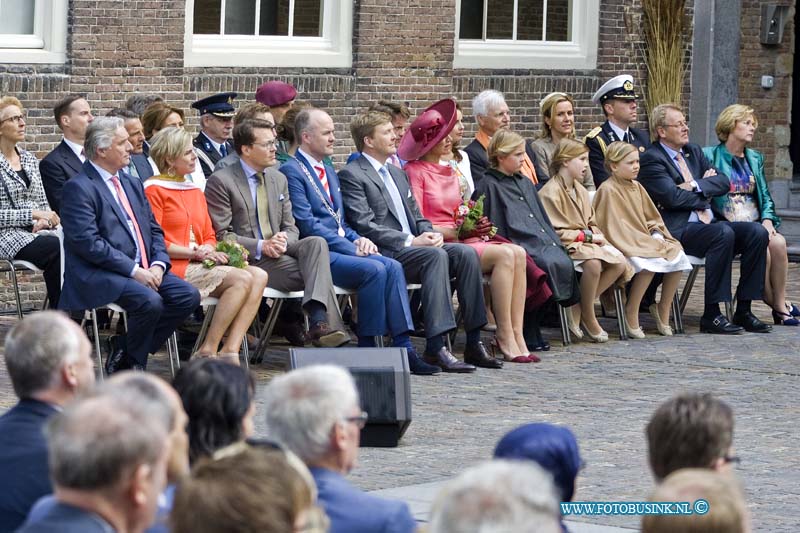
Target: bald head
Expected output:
[314,131]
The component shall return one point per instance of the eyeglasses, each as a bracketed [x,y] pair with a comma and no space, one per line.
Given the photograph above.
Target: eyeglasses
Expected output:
[267,145]
[732,459]
[679,125]
[359,420]
[15,118]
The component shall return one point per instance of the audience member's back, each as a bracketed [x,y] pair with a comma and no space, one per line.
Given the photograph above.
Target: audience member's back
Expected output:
[48,361]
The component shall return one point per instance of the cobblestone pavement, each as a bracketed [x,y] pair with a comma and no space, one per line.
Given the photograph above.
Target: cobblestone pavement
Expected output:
[605,393]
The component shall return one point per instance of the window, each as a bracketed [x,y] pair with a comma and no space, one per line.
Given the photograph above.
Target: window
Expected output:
[277,33]
[535,34]
[33,31]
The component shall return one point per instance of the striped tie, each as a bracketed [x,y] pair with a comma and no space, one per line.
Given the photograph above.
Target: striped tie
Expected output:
[324,180]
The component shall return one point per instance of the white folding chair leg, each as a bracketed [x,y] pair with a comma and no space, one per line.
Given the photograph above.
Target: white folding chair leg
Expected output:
[562,315]
[172,350]
[677,317]
[623,332]
[96,335]
[266,330]
[210,310]
[16,289]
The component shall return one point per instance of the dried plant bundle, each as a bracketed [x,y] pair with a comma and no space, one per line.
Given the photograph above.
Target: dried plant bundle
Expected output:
[664,26]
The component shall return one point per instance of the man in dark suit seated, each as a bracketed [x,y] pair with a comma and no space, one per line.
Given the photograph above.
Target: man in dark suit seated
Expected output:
[49,361]
[681,182]
[140,166]
[108,462]
[250,201]
[355,262]
[617,97]
[315,413]
[114,250]
[492,114]
[379,205]
[73,115]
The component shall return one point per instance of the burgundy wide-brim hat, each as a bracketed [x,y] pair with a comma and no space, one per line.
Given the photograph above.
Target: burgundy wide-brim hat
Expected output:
[275,93]
[428,130]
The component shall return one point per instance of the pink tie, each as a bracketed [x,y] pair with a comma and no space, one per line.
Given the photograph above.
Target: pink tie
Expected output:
[324,180]
[123,200]
[702,214]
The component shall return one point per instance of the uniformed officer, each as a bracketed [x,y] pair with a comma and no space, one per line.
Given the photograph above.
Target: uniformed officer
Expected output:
[618,100]
[216,125]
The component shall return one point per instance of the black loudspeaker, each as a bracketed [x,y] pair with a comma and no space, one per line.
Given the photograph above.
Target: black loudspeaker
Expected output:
[382,380]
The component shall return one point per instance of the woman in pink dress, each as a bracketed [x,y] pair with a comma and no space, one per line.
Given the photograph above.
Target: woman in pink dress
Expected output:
[437,191]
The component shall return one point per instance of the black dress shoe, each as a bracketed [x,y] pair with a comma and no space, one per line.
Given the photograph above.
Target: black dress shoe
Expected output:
[419,367]
[447,362]
[118,359]
[719,324]
[291,331]
[750,322]
[476,354]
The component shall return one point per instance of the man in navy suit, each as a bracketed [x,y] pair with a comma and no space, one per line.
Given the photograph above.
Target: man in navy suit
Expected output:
[355,262]
[48,359]
[681,182]
[114,250]
[314,412]
[73,115]
[140,166]
[109,455]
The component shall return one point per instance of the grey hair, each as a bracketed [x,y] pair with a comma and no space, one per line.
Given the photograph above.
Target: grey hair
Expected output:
[100,135]
[486,100]
[304,405]
[154,389]
[497,497]
[98,440]
[37,348]
[303,122]
[139,102]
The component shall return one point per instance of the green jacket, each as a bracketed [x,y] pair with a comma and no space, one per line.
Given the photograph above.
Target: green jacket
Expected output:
[721,158]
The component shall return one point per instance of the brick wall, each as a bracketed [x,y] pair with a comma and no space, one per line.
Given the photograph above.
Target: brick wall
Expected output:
[772,106]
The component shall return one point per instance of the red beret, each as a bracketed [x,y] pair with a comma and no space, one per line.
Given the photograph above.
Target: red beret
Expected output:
[275,93]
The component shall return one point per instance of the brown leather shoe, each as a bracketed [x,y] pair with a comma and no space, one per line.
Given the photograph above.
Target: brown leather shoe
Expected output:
[291,331]
[477,355]
[447,362]
[322,336]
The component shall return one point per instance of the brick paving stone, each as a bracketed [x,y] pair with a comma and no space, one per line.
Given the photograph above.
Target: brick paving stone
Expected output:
[605,393]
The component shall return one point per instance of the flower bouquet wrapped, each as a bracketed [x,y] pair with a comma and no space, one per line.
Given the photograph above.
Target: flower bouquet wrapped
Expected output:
[237,254]
[467,217]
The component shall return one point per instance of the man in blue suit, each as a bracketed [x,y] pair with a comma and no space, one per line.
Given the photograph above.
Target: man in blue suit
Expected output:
[114,250]
[355,262]
[139,166]
[48,359]
[314,412]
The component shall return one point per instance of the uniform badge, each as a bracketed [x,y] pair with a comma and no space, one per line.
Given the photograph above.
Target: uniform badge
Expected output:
[641,149]
[628,86]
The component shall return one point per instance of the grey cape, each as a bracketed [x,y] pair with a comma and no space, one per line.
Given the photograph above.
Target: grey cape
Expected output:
[513,206]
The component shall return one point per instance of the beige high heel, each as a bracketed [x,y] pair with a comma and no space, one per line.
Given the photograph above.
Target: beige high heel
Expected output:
[599,338]
[663,329]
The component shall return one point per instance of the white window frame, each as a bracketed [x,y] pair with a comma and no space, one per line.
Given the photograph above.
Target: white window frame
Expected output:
[47,44]
[332,50]
[578,54]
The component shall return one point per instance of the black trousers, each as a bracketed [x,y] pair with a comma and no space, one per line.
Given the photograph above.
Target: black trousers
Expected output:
[45,253]
[719,242]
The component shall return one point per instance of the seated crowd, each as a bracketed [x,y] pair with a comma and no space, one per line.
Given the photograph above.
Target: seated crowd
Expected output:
[140,206]
[137,454]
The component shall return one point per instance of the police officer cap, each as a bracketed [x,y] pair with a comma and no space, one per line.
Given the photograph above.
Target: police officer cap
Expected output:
[220,105]
[620,87]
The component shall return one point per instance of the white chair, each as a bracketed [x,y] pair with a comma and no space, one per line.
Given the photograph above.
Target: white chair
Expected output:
[618,306]
[269,324]
[679,304]
[13,266]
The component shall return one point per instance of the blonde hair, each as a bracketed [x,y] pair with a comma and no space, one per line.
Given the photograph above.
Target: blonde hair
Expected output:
[168,144]
[364,124]
[616,152]
[548,106]
[503,143]
[726,122]
[566,150]
[658,117]
[9,101]
[726,505]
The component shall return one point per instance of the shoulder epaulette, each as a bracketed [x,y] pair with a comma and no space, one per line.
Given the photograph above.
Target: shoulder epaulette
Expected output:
[594,133]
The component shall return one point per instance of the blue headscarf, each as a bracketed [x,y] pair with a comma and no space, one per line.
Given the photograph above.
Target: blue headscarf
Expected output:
[552,447]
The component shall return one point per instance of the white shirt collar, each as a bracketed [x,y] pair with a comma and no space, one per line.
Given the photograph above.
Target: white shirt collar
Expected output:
[105,174]
[77,148]
[313,162]
[374,162]
[620,132]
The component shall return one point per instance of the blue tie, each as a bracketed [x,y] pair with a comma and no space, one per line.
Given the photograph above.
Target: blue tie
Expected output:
[394,193]
[223,150]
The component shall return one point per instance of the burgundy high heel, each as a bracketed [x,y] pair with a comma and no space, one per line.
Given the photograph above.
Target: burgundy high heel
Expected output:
[495,347]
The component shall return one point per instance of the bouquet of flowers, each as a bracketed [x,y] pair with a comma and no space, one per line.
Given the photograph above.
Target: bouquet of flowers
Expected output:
[470,221]
[237,254]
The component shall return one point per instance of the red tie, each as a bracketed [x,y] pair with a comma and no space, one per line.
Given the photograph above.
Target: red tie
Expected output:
[321,171]
[123,200]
